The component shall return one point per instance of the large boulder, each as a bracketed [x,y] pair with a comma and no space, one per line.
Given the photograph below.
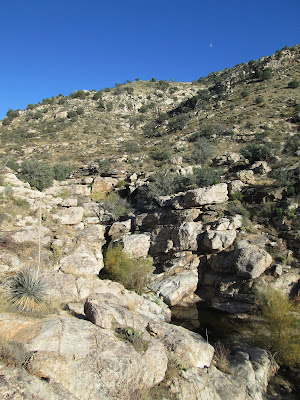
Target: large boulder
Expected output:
[89,362]
[135,245]
[82,261]
[176,289]
[69,216]
[217,240]
[198,197]
[251,261]
[176,238]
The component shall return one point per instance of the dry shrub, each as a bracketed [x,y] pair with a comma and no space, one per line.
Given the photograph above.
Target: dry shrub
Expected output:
[280,331]
[133,274]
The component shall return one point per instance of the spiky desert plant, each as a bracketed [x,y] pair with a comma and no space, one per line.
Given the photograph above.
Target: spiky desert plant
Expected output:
[27,291]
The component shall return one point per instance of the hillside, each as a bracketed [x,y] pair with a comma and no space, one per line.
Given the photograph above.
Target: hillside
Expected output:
[154,228]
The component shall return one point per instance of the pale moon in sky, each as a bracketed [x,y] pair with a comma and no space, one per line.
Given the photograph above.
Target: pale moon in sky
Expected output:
[210,45]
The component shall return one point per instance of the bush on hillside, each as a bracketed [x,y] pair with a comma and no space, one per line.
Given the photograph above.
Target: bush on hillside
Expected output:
[203,151]
[294,84]
[115,205]
[37,174]
[280,331]
[133,274]
[166,183]
[256,152]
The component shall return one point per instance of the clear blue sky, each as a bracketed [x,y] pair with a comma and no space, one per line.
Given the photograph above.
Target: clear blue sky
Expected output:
[49,47]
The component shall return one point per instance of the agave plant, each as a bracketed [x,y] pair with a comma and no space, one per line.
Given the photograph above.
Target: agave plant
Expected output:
[27,291]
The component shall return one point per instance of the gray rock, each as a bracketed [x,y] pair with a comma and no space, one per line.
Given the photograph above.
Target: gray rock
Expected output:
[66,350]
[120,228]
[176,289]
[69,216]
[135,245]
[195,198]
[217,240]
[251,261]
[82,261]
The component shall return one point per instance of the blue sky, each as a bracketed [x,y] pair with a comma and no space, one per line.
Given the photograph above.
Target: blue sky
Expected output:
[57,46]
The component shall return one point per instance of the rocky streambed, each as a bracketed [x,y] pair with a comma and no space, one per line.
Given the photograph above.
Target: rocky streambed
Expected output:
[113,343]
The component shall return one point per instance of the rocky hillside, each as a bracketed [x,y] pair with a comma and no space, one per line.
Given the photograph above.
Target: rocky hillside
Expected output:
[187,194]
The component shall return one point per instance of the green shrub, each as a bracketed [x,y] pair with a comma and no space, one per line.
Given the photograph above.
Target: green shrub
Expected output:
[160,154]
[80,94]
[202,151]
[61,171]
[27,291]
[72,115]
[11,114]
[256,152]
[134,337]
[133,274]
[6,121]
[109,106]
[115,205]
[280,331]
[178,123]
[37,174]
[294,84]
[259,100]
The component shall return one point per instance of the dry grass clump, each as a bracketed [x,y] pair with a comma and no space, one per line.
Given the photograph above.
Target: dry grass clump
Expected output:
[221,355]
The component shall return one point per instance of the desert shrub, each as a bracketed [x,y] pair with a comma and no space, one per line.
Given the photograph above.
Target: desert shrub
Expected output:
[245,93]
[6,121]
[11,114]
[115,205]
[61,171]
[167,183]
[259,100]
[80,94]
[12,165]
[26,291]
[202,151]
[256,152]
[292,144]
[162,85]
[151,129]
[207,176]
[129,90]
[133,274]
[178,123]
[294,84]
[72,115]
[279,332]
[162,117]
[109,106]
[132,147]
[213,129]
[160,154]
[37,174]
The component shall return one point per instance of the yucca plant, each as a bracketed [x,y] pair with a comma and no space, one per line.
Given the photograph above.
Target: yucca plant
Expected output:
[27,291]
